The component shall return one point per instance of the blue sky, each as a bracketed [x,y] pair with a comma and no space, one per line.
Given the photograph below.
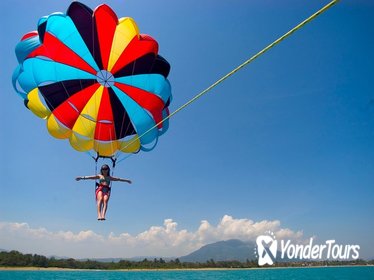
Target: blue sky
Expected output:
[286,143]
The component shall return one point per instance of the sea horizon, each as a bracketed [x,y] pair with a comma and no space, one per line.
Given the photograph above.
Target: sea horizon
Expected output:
[35,268]
[282,273]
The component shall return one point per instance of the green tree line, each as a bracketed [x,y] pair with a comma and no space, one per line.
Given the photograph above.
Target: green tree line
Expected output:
[17,259]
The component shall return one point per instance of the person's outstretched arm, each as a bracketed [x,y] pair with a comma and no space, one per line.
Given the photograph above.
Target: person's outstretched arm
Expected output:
[120,179]
[93,177]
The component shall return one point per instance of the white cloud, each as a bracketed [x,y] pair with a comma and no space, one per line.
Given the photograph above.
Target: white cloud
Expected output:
[24,230]
[166,240]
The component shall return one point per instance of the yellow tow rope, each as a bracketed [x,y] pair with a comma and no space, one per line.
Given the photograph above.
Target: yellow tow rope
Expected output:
[316,14]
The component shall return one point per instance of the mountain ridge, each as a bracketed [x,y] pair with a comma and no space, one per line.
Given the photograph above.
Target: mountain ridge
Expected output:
[228,250]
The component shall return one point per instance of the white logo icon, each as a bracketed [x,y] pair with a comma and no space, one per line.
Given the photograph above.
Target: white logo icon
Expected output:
[266,249]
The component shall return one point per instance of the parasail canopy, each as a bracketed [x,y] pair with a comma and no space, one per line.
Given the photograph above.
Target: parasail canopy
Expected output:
[95,79]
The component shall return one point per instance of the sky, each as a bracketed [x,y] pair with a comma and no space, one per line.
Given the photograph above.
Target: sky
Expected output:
[285,145]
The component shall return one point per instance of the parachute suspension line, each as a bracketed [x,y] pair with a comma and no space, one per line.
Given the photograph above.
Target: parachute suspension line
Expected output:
[117,154]
[84,125]
[276,42]
[113,143]
[124,158]
[113,168]
[53,108]
[121,132]
[96,183]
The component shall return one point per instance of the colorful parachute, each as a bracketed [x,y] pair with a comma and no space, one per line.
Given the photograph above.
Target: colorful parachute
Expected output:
[95,79]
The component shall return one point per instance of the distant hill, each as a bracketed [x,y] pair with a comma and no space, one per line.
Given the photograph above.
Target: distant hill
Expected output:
[229,250]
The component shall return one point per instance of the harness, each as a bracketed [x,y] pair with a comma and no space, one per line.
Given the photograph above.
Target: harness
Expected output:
[98,184]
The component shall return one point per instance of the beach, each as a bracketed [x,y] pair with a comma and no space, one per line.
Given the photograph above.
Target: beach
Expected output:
[33,268]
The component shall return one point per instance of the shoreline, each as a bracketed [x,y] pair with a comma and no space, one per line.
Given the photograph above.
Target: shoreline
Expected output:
[34,268]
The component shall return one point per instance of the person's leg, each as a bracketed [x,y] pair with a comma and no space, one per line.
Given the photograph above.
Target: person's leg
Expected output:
[105,205]
[99,200]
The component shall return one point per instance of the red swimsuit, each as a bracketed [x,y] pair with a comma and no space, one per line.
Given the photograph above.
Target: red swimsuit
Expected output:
[105,189]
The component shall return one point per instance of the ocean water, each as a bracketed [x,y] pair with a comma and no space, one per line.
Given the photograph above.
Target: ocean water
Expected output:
[324,273]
